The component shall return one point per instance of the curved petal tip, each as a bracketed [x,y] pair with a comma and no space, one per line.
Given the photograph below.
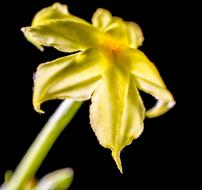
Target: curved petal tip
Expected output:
[38,109]
[116,157]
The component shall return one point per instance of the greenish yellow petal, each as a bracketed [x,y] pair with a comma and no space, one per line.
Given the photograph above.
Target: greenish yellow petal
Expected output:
[66,36]
[134,34]
[55,26]
[116,29]
[134,114]
[101,18]
[29,38]
[75,77]
[56,11]
[127,32]
[112,26]
[53,13]
[149,80]
[116,112]
[165,99]
[106,114]
[142,67]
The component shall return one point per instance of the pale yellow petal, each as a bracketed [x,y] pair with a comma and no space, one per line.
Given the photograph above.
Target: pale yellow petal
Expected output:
[55,26]
[116,29]
[134,34]
[142,67]
[66,36]
[101,18]
[56,11]
[126,32]
[133,117]
[149,80]
[75,76]
[105,117]
[112,26]
[116,112]
[31,39]
[165,99]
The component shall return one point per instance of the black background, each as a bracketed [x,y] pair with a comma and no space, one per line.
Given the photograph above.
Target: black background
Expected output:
[152,160]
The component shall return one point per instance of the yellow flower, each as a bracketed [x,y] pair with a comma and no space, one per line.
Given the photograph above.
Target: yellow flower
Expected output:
[105,66]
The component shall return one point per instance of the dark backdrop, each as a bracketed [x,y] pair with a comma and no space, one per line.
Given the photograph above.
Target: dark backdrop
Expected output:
[152,160]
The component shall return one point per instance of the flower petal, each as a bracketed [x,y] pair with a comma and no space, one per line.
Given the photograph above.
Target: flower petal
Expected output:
[165,99]
[134,114]
[149,80]
[128,32]
[106,111]
[29,38]
[64,35]
[43,33]
[116,112]
[116,29]
[56,11]
[134,34]
[75,76]
[101,18]
[113,26]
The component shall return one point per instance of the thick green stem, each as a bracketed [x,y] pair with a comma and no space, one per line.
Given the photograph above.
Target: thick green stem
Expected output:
[41,146]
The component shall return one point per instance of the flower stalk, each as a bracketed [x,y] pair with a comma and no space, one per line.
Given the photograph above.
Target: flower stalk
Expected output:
[43,143]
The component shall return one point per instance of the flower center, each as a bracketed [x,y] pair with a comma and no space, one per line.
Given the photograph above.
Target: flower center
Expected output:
[112,46]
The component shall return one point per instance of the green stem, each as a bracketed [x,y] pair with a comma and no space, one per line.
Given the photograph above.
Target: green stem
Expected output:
[42,144]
